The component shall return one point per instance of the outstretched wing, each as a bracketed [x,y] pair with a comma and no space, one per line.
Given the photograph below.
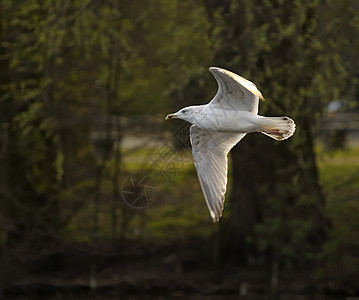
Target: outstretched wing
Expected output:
[210,149]
[235,92]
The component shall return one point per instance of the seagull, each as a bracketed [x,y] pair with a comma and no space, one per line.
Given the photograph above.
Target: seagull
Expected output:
[220,125]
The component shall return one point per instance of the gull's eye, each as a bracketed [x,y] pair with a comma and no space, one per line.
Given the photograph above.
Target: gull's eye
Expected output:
[184,111]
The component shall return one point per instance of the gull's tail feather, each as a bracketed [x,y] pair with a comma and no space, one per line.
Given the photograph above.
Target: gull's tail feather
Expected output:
[278,128]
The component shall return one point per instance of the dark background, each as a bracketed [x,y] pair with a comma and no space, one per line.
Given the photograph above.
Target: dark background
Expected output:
[99,197]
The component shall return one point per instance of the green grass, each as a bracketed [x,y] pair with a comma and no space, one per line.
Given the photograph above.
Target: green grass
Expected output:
[182,211]
[339,172]
[179,210]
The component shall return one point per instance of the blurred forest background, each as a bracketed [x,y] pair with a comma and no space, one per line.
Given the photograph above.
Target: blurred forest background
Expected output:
[98,195]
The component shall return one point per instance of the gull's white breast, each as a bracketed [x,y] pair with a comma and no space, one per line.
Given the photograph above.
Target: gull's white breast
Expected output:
[214,118]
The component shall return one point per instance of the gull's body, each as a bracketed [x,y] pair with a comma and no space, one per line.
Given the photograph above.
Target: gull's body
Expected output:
[221,124]
[225,120]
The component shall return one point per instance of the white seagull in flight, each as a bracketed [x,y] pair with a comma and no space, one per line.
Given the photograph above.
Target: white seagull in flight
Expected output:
[221,124]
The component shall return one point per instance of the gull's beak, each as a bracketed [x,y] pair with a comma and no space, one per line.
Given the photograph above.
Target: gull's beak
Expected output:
[170,116]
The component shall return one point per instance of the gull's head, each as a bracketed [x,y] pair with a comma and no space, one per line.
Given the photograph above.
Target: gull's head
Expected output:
[183,114]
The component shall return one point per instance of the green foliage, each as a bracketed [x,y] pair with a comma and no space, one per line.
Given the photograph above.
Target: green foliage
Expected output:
[67,67]
[293,51]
